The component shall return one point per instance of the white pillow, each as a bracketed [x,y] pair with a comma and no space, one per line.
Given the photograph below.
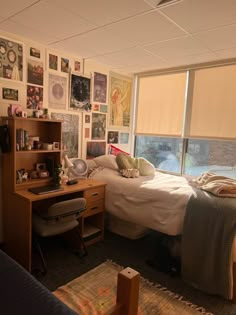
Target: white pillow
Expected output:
[108,161]
[145,167]
[91,164]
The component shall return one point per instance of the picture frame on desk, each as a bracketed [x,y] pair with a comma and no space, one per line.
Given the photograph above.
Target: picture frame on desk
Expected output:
[56,145]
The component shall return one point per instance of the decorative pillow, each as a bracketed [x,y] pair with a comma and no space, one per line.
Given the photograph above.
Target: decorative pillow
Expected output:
[108,161]
[114,150]
[130,173]
[125,162]
[145,167]
[91,163]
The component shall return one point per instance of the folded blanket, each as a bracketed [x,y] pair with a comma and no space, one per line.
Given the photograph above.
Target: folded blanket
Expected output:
[220,186]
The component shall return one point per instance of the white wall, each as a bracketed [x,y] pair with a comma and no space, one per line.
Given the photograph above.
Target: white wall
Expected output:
[88,70]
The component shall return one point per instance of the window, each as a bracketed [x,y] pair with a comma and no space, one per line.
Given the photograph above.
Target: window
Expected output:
[215,156]
[163,153]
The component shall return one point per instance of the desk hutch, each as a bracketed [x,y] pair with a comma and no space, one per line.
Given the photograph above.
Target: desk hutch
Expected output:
[18,202]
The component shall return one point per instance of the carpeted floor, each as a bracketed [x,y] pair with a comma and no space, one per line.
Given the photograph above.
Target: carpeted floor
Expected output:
[64,266]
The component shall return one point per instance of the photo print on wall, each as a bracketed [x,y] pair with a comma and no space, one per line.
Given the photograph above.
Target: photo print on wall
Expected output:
[52,62]
[34,97]
[112,137]
[11,61]
[99,87]
[120,100]
[70,133]
[10,94]
[98,126]
[95,149]
[80,93]
[64,65]
[35,72]
[57,92]
[34,52]
[124,138]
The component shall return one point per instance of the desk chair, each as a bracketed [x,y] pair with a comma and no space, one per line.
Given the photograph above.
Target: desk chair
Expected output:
[59,218]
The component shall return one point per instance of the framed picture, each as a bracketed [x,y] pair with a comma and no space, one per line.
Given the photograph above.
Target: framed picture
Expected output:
[77,65]
[10,94]
[70,133]
[34,52]
[34,97]
[103,108]
[99,87]
[56,145]
[64,65]
[40,167]
[124,138]
[120,100]
[112,136]
[11,62]
[35,72]
[52,61]
[57,91]
[95,149]
[98,126]
[87,118]
[80,93]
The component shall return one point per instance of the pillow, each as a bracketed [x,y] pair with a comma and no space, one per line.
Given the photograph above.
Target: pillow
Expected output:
[130,173]
[108,161]
[114,150]
[145,167]
[125,162]
[91,163]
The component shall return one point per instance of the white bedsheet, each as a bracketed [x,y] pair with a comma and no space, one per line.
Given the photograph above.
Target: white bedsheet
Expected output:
[157,202]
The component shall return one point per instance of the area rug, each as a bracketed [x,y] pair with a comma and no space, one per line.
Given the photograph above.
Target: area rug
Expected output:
[94,293]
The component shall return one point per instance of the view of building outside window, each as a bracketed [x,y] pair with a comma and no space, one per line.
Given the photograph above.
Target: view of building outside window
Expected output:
[163,153]
[215,156]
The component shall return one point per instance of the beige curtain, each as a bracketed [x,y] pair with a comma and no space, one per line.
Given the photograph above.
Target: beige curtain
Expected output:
[160,104]
[211,110]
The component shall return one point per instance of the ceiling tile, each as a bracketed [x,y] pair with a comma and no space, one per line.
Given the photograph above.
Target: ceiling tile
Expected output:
[56,23]
[226,53]
[182,46]
[93,43]
[11,7]
[200,15]
[26,32]
[104,11]
[218,39]
[146,28]
[134,56]
[188,60]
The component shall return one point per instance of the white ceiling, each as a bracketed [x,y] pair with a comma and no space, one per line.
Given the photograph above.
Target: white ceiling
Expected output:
[128,35]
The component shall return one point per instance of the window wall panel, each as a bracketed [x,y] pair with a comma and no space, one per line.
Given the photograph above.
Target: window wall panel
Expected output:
[160,104]
[211,109]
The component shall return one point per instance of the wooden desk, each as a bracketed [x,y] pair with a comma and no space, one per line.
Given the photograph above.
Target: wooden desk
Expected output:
[18,215]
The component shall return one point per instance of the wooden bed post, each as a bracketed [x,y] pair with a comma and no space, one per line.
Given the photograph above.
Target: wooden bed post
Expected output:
[127,293]
[234,283]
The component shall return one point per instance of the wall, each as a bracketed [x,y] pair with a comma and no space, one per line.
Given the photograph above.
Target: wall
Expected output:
[87,69]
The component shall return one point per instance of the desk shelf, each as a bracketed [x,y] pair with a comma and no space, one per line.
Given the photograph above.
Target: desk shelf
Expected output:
[37,151]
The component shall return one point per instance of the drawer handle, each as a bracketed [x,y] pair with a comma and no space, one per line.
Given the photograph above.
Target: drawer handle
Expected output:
[94,208]
[95,194]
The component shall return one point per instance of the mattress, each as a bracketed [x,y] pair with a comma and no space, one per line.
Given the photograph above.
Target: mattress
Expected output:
[157,202]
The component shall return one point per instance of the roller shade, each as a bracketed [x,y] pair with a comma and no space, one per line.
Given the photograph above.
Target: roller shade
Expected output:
[211,110]
[160,104]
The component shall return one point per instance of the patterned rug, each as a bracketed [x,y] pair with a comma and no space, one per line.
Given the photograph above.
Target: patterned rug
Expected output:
[94,293]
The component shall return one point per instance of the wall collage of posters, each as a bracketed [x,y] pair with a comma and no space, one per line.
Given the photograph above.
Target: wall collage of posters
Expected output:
[105,103]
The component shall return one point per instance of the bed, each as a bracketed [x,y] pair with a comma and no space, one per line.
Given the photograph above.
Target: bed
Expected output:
[21,293]
[156,202]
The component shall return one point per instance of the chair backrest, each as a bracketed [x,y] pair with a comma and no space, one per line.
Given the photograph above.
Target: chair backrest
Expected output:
[65,211]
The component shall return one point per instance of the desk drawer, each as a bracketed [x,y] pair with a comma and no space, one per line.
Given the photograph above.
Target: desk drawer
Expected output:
[94,208]
[94,194]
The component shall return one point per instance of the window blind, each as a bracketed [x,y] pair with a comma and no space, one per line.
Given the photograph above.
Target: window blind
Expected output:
[211,110]
[160,104]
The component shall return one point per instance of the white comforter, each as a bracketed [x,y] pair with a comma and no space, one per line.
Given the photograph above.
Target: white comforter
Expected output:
[157,202]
